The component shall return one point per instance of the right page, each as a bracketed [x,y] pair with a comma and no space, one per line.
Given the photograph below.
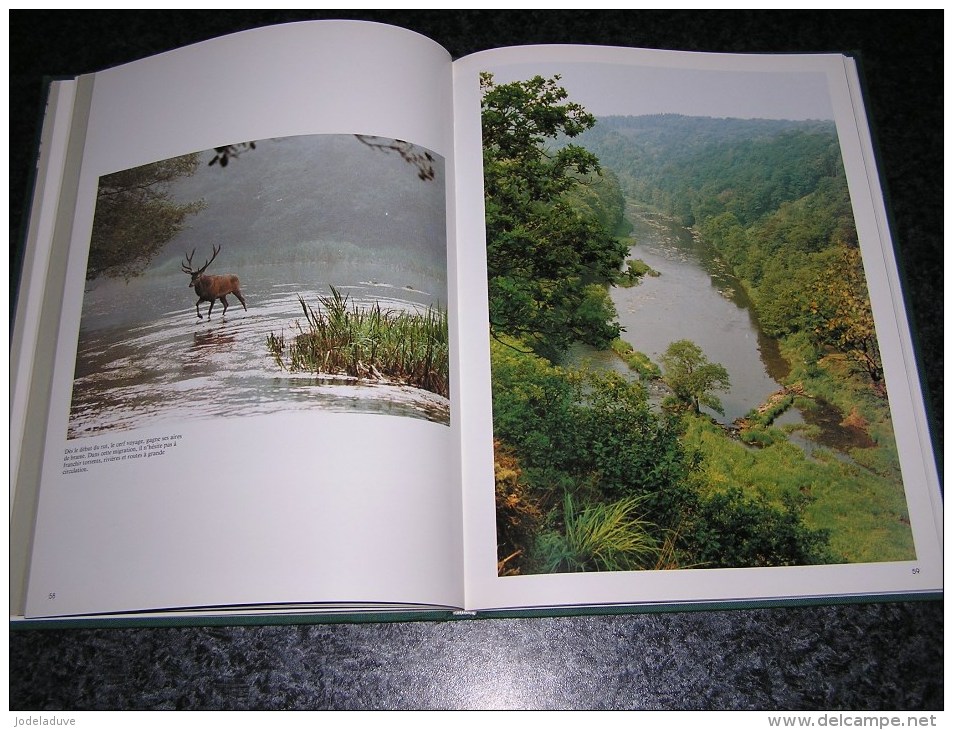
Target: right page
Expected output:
[689,374]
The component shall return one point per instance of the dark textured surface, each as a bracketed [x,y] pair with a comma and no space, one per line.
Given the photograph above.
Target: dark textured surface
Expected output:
[848,657]
[876,656]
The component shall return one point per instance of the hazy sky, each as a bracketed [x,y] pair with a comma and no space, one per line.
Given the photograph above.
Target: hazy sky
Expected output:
[605,89]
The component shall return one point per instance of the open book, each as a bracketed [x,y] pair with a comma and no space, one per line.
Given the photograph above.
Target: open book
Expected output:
[316,322]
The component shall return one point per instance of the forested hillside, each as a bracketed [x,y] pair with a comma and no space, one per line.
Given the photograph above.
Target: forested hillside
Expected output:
[771,196]
[693,168]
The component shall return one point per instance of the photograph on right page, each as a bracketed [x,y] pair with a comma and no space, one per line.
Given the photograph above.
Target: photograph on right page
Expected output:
[685,368]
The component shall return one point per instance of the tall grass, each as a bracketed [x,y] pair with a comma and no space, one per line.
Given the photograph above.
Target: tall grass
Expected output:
[370,343]
[606,537]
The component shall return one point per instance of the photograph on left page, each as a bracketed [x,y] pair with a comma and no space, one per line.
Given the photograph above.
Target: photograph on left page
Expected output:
[299,273]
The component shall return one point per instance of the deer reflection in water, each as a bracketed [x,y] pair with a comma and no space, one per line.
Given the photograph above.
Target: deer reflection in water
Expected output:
[212,341]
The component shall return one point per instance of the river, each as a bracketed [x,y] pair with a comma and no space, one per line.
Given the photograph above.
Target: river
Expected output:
[696,297]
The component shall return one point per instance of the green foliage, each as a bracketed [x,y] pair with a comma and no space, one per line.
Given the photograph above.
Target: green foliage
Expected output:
[636,360]
[595,311]
[599,537]
[402,347]
[839,314]
[759,435]
[595,437]
[633,272]
[730,530]
[135,217]
[601,196]
[692,378]
[592,434]
[756,425]
[517,118]
[543,250]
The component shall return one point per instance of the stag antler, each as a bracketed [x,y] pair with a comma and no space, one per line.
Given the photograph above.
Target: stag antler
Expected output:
[212,288]
[187,264]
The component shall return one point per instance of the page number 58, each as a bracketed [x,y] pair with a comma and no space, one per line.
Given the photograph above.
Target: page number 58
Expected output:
[915,571]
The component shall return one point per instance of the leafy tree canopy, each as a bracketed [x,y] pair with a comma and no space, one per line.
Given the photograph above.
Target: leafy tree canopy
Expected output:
[692,378]
[543,252]
[839,314]
[136,216]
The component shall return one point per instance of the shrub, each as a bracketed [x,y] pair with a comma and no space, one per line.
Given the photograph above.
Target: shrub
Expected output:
[518,517]
[730,530]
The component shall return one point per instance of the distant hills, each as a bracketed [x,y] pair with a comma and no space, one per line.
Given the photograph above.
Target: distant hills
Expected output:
[696,167]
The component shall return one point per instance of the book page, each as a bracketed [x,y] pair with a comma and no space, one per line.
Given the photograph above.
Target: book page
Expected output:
[251,396]
[689,372]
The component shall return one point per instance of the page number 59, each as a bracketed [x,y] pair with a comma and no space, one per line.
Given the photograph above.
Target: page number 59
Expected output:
[51,597]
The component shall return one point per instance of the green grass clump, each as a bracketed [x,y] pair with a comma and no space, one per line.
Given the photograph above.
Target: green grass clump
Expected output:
[370,343]
[757,435]
[599,537]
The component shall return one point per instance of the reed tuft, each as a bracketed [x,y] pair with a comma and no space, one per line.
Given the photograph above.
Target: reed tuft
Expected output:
[410,348]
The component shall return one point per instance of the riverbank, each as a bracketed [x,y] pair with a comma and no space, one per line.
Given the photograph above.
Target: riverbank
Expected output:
[824,437]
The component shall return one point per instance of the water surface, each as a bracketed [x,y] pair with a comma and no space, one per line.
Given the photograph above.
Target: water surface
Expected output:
[696,297]
[167,365]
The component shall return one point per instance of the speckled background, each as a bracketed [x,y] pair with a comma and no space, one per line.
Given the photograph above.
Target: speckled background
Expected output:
[859,656]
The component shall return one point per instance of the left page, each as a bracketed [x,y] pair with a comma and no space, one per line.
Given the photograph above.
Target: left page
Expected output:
[250,397]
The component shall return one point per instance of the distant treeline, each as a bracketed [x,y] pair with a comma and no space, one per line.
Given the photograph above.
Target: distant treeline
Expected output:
[692,168]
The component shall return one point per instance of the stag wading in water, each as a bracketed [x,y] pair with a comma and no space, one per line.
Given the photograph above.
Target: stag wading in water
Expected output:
[210,288]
